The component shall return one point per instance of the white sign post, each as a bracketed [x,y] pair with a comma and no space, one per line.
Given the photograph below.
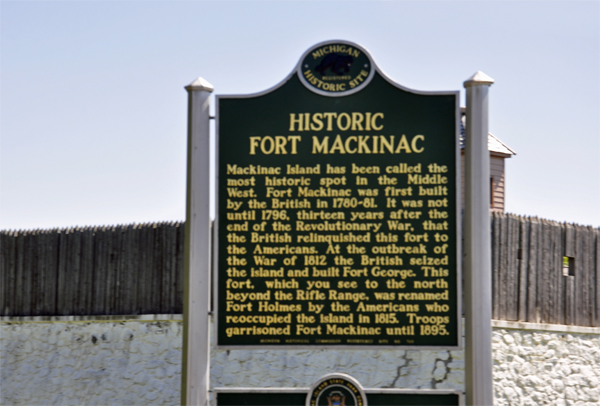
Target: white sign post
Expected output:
[478,262]
[196,296]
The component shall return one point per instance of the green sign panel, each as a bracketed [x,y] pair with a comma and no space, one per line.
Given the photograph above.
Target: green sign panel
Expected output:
[299,398]
[336,389]
[337,210]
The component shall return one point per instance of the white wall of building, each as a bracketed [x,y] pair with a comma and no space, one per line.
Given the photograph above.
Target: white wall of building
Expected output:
[138,362]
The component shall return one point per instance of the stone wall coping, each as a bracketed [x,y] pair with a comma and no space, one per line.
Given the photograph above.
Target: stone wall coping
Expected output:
[559,328]
[95,319]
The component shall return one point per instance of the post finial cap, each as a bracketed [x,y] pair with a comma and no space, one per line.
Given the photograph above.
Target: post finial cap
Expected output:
[479,78]
[200,84]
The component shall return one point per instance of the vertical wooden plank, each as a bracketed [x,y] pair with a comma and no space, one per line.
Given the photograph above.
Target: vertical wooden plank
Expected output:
[72,264]
[119,250]
[597,276]
[150,271]
[61,272]
[141,268]
[496,265]
[164,275]
[134,264]
[180,267]
[127,282]
[583,276]
[591,280]
[75,273]
[508,280]
[51,283]
[28,273]
[532,313]
[545,262]
[66,270]
[173,269]
[8,272]
[570,317]
[113,243]
[85,292]
[133,260]
[514,267]
[37,272]
[20,253]
[144,293]
[29,280]
[157,268]
[136,274]
[15,285]
[548,270]
[556,272]
[4,255]
[591,275]
[511,282]
[569,240]
[579,275]
[568,282]
[523,258]
[122,261]
[561,280]
[41,267]
[504,270]
[164,269]
[542,270]
[169,257]
[99,272]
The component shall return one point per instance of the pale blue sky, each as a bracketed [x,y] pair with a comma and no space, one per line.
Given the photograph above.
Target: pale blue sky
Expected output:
[93,110]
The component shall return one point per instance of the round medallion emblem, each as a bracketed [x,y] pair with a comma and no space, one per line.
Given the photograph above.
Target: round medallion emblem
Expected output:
[336,390]
[336,68]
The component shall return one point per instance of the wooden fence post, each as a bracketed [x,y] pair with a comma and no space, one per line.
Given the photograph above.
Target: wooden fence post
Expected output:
[478,261]
[196,296]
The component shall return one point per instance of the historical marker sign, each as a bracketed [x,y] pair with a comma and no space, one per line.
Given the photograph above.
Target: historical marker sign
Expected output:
[337,210]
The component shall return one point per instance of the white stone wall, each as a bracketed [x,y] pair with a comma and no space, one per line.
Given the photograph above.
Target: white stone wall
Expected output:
[139,362]
[546,368]
[374,369]
[90,363]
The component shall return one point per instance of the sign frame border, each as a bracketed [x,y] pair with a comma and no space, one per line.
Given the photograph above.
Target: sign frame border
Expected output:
[367,391]
[459,217]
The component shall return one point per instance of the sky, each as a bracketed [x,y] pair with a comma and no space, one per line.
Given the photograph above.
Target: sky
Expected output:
[93,111]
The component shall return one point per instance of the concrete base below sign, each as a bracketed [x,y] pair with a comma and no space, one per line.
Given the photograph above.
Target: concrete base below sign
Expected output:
[138,362]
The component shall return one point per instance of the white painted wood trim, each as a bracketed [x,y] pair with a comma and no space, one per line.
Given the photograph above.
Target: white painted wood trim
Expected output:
[477,248]
[196,296]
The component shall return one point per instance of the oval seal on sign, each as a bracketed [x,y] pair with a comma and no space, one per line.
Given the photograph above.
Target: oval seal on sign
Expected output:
[336,390]
[336,68]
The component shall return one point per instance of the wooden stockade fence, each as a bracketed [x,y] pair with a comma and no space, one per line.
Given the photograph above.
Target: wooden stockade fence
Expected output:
[117,270]
[138,269]
[527,266]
